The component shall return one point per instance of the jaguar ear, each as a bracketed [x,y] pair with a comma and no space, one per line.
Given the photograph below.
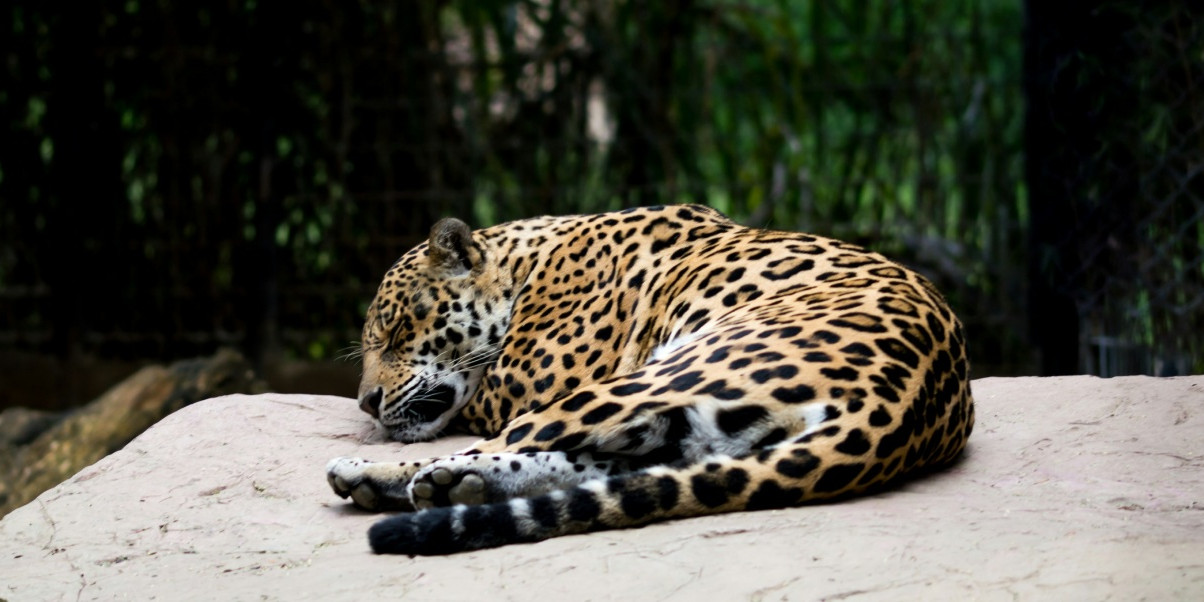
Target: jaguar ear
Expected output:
[450,246]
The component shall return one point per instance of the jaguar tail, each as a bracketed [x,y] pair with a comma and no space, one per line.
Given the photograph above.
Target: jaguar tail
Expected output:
[621,501]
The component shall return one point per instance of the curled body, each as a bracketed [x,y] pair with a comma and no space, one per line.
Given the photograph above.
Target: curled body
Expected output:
[643,365]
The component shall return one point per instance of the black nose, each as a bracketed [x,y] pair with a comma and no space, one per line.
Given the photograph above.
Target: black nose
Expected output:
[370,401]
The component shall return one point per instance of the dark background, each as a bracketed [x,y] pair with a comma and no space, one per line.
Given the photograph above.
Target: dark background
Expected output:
[181,176]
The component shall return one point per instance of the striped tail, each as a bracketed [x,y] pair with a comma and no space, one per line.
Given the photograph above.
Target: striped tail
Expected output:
[621,501]
[461,528]
[772,479]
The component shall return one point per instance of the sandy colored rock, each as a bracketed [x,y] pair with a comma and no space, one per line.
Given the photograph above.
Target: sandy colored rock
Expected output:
[1073,488]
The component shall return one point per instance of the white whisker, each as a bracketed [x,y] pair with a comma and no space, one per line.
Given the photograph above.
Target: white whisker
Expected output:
[353,352]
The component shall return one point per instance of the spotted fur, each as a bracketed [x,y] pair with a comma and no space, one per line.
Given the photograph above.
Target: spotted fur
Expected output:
[643,365]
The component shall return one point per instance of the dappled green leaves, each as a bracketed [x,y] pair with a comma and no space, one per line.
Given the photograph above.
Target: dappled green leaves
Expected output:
[258,165]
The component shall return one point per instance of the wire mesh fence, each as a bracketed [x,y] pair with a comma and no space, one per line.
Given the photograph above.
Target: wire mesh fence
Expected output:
[1122,158]
[177,177]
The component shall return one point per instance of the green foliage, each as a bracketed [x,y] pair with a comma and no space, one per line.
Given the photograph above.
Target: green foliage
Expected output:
[291,139]
[897,124]
[265,162]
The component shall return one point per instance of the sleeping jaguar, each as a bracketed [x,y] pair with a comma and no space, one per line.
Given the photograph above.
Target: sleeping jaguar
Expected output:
[649,364]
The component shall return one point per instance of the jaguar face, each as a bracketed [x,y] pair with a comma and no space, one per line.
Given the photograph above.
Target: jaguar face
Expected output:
[430,333]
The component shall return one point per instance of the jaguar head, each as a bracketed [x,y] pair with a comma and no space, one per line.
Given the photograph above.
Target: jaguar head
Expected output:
[433,328]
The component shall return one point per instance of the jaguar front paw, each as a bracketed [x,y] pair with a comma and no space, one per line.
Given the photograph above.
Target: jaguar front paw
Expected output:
[372,486]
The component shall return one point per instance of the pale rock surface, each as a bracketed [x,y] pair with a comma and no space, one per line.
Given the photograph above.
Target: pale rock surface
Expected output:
[1073,488]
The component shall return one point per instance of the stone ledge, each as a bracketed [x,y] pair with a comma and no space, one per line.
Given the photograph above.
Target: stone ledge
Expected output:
[1072,487]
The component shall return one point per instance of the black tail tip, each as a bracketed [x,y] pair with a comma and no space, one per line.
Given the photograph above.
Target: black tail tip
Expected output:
[447,530]
[390,536]
[427,532]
